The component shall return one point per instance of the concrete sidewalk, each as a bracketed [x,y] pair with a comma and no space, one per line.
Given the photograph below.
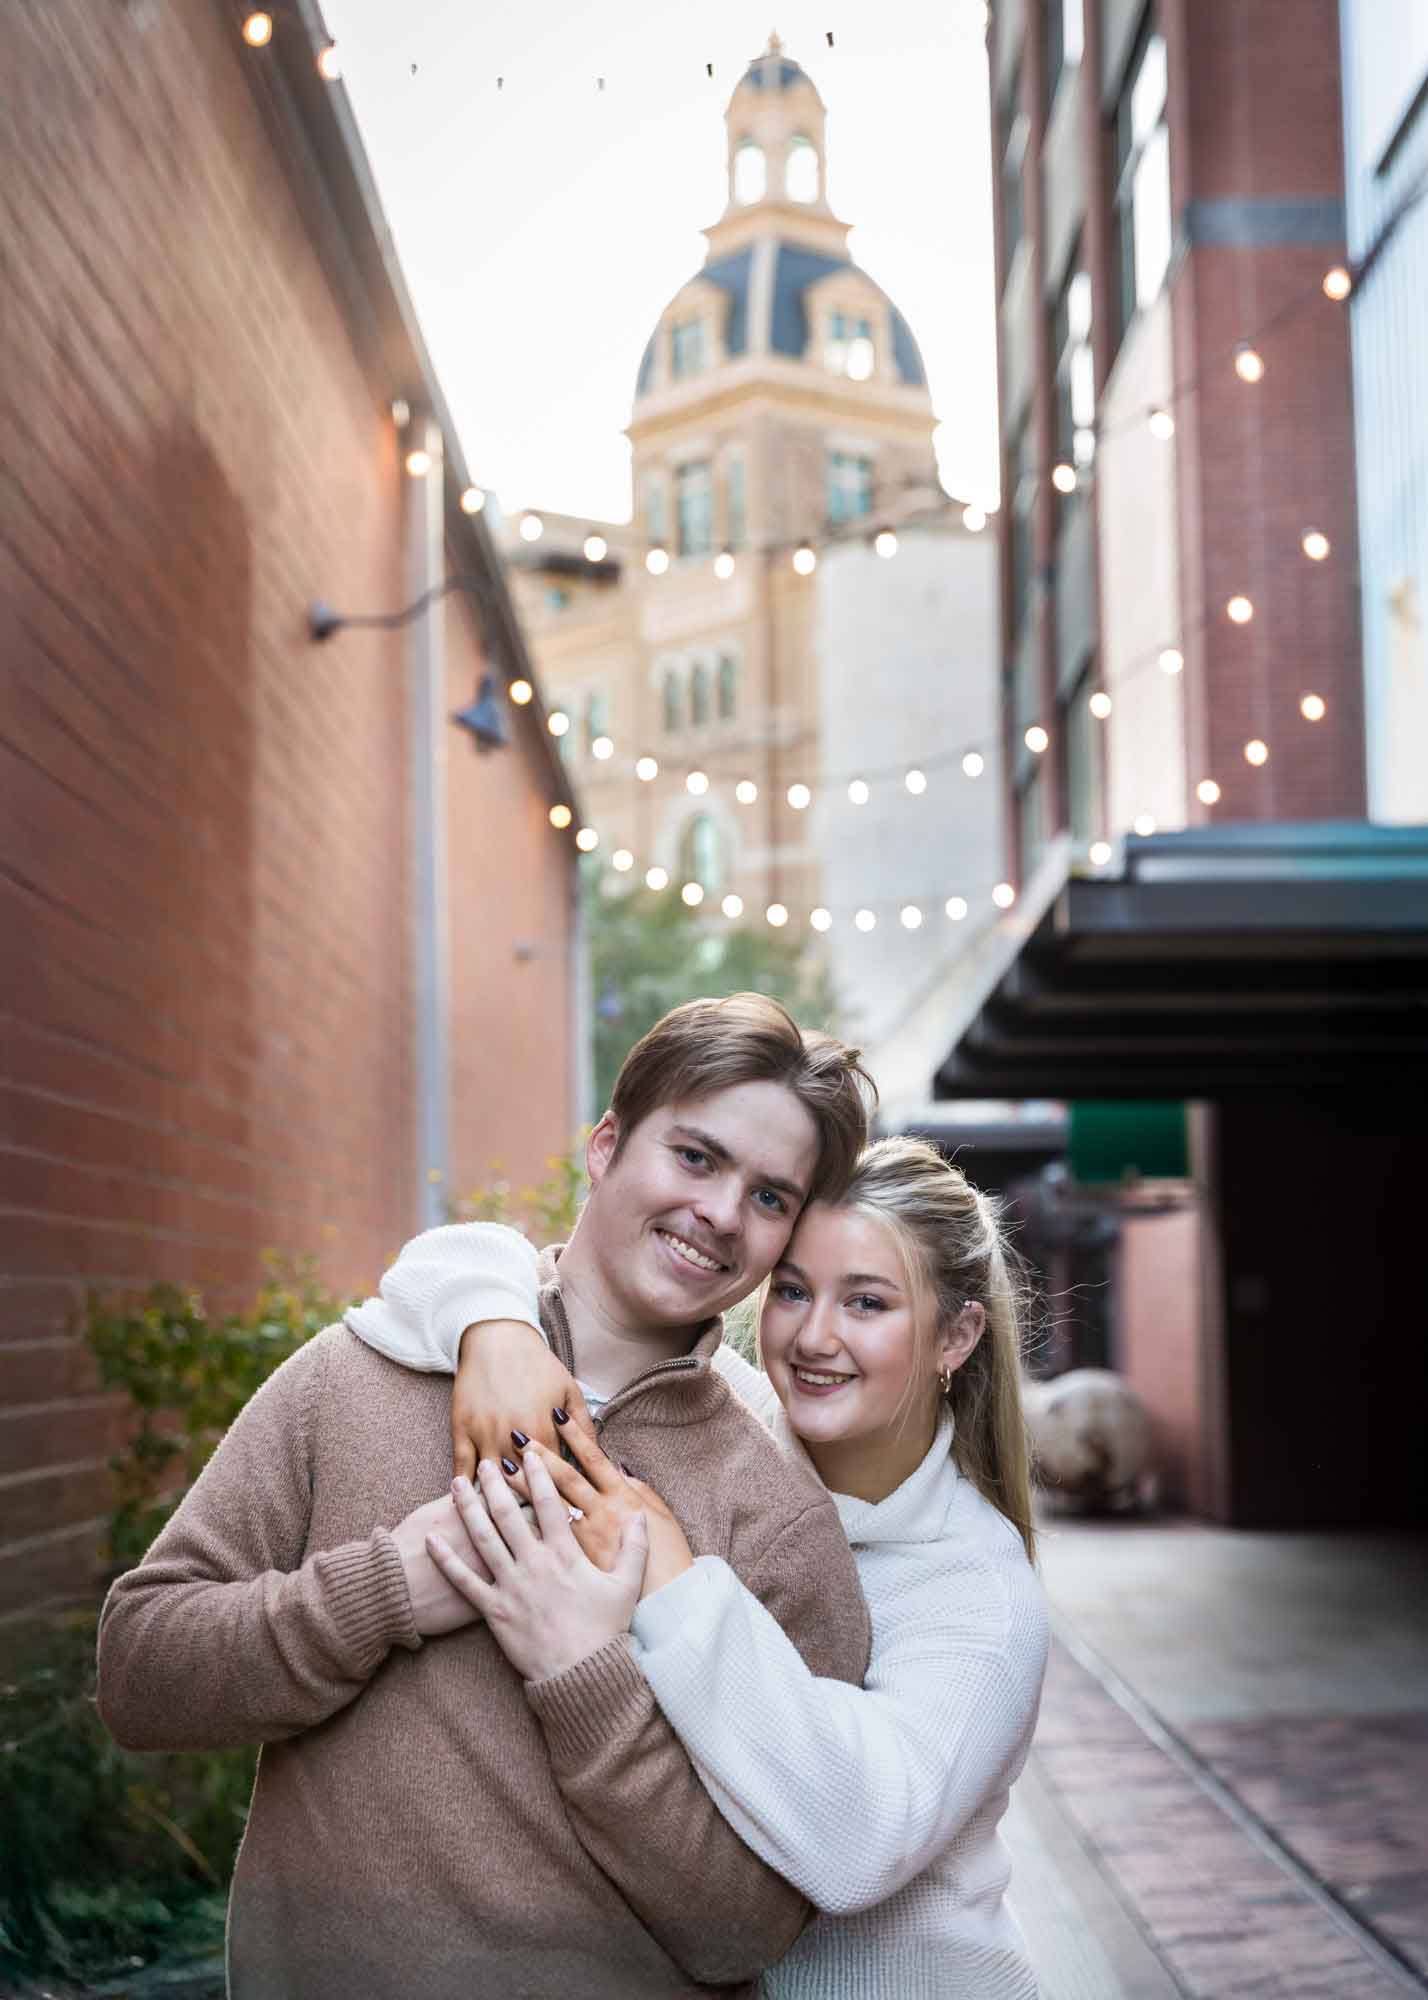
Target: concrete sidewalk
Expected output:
[1228,1795]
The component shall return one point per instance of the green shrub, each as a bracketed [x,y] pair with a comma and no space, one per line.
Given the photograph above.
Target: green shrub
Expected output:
[544,1212]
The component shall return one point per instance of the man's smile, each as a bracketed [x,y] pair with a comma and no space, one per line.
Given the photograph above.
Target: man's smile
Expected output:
[682,1247]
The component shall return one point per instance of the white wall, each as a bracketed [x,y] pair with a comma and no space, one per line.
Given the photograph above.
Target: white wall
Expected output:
[907,658]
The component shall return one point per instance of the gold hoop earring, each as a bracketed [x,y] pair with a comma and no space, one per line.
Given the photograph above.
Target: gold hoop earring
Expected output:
[944,1381]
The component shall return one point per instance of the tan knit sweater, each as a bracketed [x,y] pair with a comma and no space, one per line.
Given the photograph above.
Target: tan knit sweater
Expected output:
[423,1825]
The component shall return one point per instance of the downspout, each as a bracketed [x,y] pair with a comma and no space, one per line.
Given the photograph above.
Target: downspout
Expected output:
[431,961]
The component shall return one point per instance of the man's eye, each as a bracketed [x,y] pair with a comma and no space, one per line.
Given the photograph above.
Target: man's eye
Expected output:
[770,1200]
[692,1156]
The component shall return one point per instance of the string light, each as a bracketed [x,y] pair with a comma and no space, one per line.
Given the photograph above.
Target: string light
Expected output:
[746,791]
[532,527]
[820,920]
[697,784]
[587,840]
[732,906]
[401,412]
[657,561]
[799,797]
[258,29]
[557,722]
[777,915]
[1315,545]
[910,917]
[1171,660]
[956,907]
[1144,825]
[560,817]
[724,565]
[418,464]
[472,500]
[1208,792]
[1337,283]
[520,692]
[692,895]
[1313,707]
[805,559]
[329,64]
[1162,425]
[858,792]
[885,543]
[596,548]
[865,920]
[1004,895]
[1063,478]
[622,860]
[1249,363]
[1100,853]
[1100,704]
[656,878]
[916,782]
[603,749]
[646,769]
[1256,751]
[1036,739]
[974,763]
[974,519]
[1239,611]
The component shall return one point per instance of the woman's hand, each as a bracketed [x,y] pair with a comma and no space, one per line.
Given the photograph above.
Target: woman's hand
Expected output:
[606,1498]
[547,1605]
[508,1386]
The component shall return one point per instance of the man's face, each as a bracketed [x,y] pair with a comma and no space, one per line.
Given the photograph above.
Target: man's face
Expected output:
[698,1207]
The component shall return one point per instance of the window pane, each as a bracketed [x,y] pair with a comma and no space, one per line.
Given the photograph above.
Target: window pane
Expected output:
[1147,92]
[1150,209]
[694,498]
[728,688]
[688,347]
[597,717]
[654,510]
[1029,826]
[673,701]
[699,697]
[1083,764]
[850,487]
[801,171]
[1073,30]
[735,502]
[701,854]
[750,173]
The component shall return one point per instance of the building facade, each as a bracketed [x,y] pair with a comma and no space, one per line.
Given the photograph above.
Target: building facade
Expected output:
[785,499]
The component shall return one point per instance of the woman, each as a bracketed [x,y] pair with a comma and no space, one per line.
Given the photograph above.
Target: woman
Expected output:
[890,1343]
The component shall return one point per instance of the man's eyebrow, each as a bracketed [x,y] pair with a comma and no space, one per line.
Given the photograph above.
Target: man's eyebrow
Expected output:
[720,1152]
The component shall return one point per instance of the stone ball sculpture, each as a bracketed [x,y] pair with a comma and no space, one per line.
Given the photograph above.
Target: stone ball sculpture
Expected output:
[1091,1436]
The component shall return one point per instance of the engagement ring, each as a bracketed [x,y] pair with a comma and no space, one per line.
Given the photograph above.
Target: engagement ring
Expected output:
[575,1513]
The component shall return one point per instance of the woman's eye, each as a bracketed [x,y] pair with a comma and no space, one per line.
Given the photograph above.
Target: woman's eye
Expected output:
[868,1302]
[789,1294]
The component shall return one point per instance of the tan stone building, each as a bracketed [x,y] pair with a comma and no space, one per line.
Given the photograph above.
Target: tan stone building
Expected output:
[781,408]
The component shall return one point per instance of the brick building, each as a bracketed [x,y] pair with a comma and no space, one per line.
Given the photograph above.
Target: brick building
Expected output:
[284,955]
[1208,934]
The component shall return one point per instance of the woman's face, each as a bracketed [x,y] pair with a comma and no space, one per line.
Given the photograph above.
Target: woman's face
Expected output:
[838,1334]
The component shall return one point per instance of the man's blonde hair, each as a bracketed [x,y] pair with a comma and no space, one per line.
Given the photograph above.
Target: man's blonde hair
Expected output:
[709,1045]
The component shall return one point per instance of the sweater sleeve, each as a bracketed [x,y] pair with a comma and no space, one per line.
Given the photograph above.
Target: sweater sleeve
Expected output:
[794,1760]
[224,1635]
[442,1282]
[721,1910]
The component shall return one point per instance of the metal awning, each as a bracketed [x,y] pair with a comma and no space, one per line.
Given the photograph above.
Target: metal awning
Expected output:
[1237,961]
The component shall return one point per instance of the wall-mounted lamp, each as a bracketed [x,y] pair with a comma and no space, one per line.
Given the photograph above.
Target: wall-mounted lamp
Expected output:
[484,717]
[323,621]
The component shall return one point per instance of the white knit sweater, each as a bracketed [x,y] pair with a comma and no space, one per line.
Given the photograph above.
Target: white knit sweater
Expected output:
[881,1803]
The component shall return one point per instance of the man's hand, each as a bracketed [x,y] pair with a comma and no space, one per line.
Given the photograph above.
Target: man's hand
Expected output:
[508,1381]
[436,1606]
[606,1499]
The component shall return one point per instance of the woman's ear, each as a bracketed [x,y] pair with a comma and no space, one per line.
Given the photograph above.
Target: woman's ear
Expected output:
[600,1148]
[960,1336]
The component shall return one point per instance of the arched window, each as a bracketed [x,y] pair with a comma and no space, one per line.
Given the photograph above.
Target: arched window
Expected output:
[701,854]
[728,687]
[699,696]
[751,174]
[673,701]
[800,172]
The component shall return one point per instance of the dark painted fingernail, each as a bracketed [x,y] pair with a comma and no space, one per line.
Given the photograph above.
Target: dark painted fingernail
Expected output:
[519,1440]
[509,1467]
[561,1416]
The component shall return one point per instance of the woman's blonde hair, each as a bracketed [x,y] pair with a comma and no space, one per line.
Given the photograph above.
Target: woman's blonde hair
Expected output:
[955,1254]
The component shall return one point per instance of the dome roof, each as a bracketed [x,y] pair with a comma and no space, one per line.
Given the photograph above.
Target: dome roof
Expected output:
[785,329]
[777,73]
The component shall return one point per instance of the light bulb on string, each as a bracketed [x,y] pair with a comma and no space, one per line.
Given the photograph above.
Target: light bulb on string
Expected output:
[805,559]
[820,919]
[865,920]
[560,817]
[1099,853]
[587,840]
[1239,611]
[910,917]
[258,29]
[520,692]
[885,543]
[1036,739]
[418,464]
[724,565]
[1256,751]
[1144,825]
[746,791]
[657,561]
[974,519]
[1338,283]
[622,860]
[1249,363]
[557,722]
[472,500]
[799,797]
[1004,895]
[1161,425]
[857,792]
[1100,704]
[1063,478]
[1313,707]
[732,906]
[956,908]
[532,527]
[1171,660]
[916,782]
[329,64]
[697,784]
[602,749]
[646,769]
[1315,544]
[692,895]
[974,763]
[1208,792]
[656,878]
[401,412]
[777,915]
[596,548]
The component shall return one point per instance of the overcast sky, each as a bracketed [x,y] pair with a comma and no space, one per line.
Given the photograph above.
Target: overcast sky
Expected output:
[543,226]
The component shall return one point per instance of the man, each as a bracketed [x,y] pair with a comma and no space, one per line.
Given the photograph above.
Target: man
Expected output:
[420,1824]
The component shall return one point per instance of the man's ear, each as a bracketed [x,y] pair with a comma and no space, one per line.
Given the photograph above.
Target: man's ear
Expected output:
[960,1335]
[600,1148]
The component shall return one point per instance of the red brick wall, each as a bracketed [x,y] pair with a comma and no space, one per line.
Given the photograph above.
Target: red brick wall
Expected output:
[204,899]
[1157,1343]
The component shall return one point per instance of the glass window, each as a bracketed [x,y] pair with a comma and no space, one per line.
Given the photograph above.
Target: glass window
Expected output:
[800,174]
[701,854]
[1075,370]
[673,701]
[728,687]
[694,501]
[1030,838]
[734,503]
[1022,526]
[1013,160]
[556,598]
[1065,41]
[1143,179]
[699,696]
[597,716]
[850,487]
[849,348]
[655,525]
[687,347]
[751,174]
[1082,754]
